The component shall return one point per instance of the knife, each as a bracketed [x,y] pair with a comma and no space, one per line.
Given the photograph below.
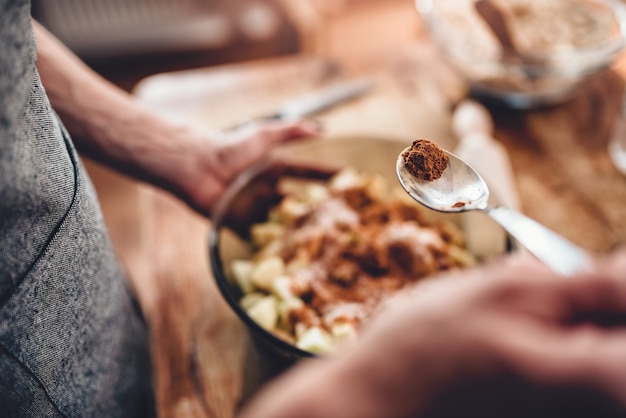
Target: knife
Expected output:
[316,101]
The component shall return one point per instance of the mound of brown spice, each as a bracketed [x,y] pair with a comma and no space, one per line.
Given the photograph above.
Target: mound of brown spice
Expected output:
[425,160]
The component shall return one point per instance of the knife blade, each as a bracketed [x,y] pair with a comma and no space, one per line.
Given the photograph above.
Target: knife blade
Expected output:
[317,101]
[323,99]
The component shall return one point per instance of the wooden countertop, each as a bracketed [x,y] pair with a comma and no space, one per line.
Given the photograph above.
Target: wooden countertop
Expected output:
[564,176]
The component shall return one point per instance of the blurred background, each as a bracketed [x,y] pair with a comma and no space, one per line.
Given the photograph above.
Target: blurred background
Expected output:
[127,40]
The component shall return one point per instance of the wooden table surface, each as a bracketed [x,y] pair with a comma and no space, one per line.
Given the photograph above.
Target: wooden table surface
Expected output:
[564,177]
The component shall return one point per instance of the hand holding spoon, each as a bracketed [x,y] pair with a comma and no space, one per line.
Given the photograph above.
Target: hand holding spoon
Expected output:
[460,188]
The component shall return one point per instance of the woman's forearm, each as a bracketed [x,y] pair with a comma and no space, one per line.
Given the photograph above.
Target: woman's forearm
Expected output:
[110,126]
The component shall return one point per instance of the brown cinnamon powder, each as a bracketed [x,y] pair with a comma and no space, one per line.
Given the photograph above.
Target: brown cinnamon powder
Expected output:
[425,160]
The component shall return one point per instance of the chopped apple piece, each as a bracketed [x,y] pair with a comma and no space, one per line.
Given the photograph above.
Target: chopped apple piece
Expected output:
[315,340]
[241,271]
[264,312]
[266,271]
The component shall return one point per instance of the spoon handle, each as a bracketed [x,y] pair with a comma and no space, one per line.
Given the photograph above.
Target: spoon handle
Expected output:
[555,251]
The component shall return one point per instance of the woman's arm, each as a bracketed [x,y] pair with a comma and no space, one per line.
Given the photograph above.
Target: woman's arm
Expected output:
[108,125]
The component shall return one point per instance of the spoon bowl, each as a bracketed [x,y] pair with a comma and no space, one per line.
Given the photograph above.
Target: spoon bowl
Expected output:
[460,188]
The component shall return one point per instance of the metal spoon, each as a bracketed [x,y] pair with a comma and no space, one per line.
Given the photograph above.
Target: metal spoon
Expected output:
[461,189]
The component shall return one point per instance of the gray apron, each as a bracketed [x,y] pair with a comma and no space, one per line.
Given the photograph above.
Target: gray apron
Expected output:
[72,342]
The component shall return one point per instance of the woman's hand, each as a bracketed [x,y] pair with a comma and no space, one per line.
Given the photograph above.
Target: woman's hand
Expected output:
[510,340]
[213,163]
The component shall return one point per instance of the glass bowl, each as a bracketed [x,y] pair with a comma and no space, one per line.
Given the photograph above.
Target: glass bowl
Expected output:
[247,199]
[557,45]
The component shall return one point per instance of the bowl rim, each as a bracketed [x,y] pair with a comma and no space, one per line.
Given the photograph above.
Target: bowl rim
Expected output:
[217,266]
